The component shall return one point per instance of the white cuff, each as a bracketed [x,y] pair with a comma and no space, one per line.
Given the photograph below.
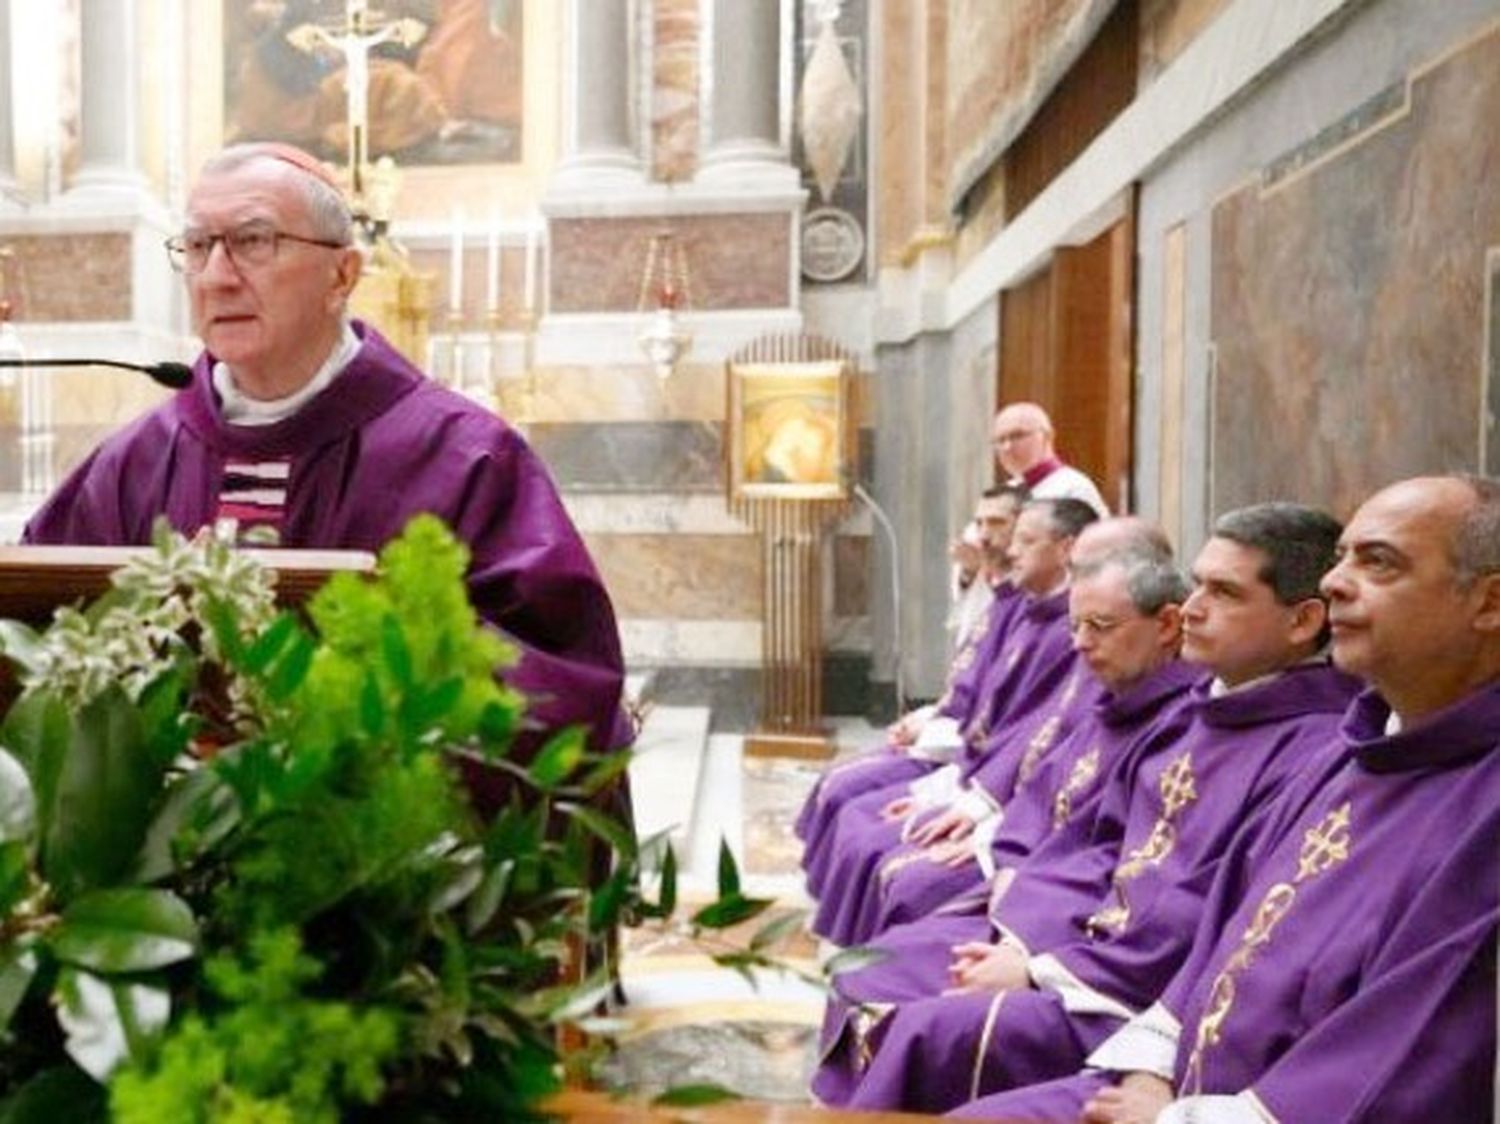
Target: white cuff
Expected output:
[983,841]
[937,787]
[1242,1108]
[939,740]
[1146,1044]
[976,804]
[1049,973]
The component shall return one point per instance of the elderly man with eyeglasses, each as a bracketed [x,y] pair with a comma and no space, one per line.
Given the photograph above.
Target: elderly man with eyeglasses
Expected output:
[1023,441]
[307,423]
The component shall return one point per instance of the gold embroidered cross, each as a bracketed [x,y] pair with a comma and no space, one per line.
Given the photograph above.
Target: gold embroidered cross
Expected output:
[1177,788]
[1084,770]
[1325,845]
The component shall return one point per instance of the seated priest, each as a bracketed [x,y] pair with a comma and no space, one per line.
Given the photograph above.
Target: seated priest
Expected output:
[1344,965]
[306,422]
[1077,946]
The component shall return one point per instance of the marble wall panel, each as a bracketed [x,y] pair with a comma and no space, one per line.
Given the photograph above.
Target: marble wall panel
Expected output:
[733,261]
[695,392]
[674,89]
[851,576]
[632,456]
[1167,27]
[898,188]
[684,577]
[1347,308]
[72,277]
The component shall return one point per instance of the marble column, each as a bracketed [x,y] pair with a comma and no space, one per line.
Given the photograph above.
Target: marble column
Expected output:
[9,190]
[109,156]
[599,146]
[744,111]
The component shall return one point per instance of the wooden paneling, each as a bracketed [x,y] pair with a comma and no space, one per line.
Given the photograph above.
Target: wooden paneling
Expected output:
[1096,88]
[1067,342]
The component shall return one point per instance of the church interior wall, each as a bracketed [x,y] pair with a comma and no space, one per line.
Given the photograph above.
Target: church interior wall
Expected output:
[1361,219]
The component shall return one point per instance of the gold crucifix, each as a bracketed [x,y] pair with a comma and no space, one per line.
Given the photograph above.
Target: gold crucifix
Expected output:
[360,33]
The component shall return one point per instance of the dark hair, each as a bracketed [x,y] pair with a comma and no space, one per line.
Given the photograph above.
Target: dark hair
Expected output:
[1476,542]
[1018,492]
[1298,544]
[1067,516]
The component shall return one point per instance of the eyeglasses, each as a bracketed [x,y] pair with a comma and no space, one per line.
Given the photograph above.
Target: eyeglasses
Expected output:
[249,244]
[1099,626]
[1013,437]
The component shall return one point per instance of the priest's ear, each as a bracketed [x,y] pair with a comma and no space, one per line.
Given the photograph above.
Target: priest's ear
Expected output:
[348,265]
[1485,593]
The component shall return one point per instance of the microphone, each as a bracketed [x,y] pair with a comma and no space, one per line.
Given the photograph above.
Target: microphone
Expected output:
[174,376]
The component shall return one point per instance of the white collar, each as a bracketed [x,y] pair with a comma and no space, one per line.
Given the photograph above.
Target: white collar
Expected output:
[238,409]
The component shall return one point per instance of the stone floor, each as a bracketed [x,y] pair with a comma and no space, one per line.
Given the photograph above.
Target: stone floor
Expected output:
[689,1021]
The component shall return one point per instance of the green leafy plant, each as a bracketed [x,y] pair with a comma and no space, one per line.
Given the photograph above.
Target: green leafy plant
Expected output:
[239,880]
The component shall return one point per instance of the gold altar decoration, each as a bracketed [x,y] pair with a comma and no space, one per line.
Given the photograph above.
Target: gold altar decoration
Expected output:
[790,466]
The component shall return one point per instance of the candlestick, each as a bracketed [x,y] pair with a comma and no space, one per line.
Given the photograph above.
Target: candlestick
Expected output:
[492,266]
[456,264]
[531,255]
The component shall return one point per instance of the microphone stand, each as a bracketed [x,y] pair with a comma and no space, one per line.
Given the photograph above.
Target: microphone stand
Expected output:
[173,376]
[890,534]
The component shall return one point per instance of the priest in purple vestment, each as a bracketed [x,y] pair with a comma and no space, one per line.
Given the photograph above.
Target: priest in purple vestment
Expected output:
[1083,947]
[307,423]
[1345,966]
[1026,691]
[927,737]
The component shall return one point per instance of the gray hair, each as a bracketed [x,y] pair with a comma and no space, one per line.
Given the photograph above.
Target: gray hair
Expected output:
[1151,581]
[1476,542]
[326,209]
[1298,543]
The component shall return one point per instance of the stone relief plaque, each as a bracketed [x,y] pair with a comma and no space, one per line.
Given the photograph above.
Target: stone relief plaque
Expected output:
[832,244]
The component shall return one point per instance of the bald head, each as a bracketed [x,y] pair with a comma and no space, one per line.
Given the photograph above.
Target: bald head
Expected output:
[1414,598]
[1121,535]
[1022,437]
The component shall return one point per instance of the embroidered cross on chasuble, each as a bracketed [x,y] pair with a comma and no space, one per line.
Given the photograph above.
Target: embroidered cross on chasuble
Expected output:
[1178,789]
[1324,846]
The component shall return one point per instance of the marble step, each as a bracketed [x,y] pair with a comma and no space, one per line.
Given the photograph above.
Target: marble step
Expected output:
[666,772]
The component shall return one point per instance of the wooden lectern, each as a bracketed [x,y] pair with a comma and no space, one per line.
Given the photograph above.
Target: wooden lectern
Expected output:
[35,580]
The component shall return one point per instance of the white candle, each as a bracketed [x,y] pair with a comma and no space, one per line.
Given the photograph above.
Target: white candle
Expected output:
[531,256]
[456,263]
[492,266]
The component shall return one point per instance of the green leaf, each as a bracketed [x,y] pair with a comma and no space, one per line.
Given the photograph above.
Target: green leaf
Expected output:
[199,810]
[108,1021]
[62,1093]
[21,645]
[742,963]
[853,959]
[160,705]
[422,709]
[727,912]
[666,899]
[605,902]
[606,827]
[17,801]
[18,964]
[290,668]
[602,775]
[694,1096]
[729,873]
[132,930]
[777,930]
[15,875]
[96,784]
[557,759]
[397,654]
[224,625]
[480,909]
[270,644]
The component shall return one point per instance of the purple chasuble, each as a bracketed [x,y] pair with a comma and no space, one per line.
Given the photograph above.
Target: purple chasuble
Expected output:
[895,765]
[1095,964]
[1344,969]
[1061,792]
[1031,663]
[380,445]
[849,892]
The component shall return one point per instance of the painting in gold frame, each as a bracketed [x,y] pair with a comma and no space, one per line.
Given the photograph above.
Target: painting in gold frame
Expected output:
[789,430]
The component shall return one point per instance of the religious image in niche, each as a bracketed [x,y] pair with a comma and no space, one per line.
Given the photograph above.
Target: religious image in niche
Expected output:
[788,423]
[451,97]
